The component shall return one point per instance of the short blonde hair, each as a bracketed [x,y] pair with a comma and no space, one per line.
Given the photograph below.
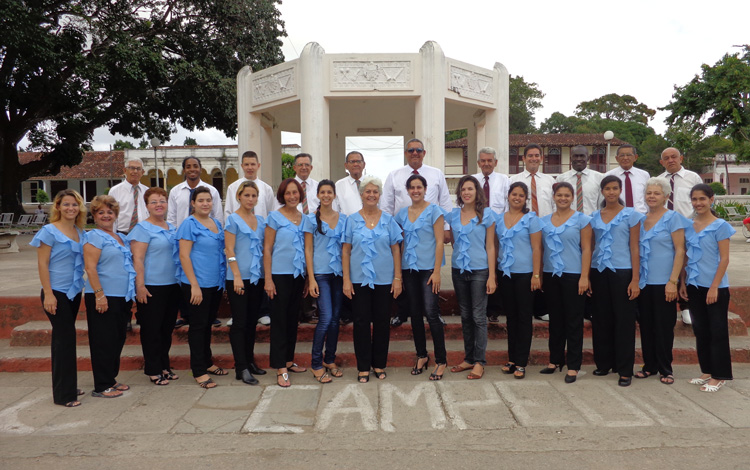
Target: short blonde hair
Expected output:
[54,213]
[100,201]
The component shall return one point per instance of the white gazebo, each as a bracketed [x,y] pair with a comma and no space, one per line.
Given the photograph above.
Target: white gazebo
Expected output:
[328,97]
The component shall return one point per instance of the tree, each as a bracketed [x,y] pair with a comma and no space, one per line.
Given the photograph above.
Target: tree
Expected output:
[525,98]
[718,98]
[287,166]
[143,144]
[122,145]
[718,188]
[615,107]
[138,67]
[558,123]
[190,141]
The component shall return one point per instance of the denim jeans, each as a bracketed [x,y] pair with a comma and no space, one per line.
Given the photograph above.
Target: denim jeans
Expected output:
[471,293]
[331,288]
[422,301]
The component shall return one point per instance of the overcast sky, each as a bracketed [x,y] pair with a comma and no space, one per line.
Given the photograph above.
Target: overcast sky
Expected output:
[575,51]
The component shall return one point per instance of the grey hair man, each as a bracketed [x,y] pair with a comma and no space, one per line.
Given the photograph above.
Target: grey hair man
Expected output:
[494,184]
[129,195]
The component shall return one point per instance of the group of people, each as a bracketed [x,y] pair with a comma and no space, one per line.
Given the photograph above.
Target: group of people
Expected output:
[357,244]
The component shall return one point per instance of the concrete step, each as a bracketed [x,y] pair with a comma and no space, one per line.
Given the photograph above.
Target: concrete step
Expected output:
[401,354]
[39,333]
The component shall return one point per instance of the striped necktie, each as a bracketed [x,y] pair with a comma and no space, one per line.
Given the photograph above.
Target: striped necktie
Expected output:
[670,203]
[534,201]
[134,216]
[305,208]
[579,192]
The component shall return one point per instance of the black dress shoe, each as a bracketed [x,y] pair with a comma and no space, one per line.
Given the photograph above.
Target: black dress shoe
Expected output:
[569,379]
[396,321]
[255,369]
[601,372]
[247,377]
[624,381]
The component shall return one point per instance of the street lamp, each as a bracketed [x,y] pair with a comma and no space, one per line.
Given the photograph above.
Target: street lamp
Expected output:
[609,135]
[155,142]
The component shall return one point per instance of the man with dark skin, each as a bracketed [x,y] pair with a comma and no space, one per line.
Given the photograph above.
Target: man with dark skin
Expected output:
[586,178]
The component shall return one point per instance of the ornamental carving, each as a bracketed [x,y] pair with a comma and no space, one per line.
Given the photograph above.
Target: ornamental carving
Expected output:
[371,75]
[471,84]
[274,86]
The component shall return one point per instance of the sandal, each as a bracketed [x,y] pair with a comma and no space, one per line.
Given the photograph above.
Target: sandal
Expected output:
[284,383]
[169,375]
[519,373]
[462,367]
[217,371]
[713,388]
[379,374]
[334,370]
[108,393]
[80,392]
[508,368]
[416,370]
[699,381]
[208,383]
[435,376]
[473,376]
[643,374]
[322,377]
[72,404]
[159,380]
[121,387]
[363,379]
[297,369]
[667,379]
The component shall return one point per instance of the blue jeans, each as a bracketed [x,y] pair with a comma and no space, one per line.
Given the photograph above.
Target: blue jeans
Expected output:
[422,301]
[331,288]
[471,293]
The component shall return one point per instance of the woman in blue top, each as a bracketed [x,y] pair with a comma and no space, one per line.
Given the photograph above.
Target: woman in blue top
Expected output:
[202,274]
[325,276]
[109,289]
[472,270]
[707,289]
[615,278]
[520,262]
[421,260]
[284,259]
[371,262]
[243,238]
[157,289]
[60,259]
[662,251]
[567,261]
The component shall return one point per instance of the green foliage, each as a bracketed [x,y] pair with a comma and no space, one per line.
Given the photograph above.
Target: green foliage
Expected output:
[287,164]
[122,145]
[718,188]
[190,141]
[143,144]
[525,98]
[615,107]
[649,154]
[41,196]
[455,134]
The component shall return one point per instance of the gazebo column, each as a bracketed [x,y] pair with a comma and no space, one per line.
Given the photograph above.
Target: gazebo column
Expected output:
[429,125]
[472,146]
[496,128]
[314,109]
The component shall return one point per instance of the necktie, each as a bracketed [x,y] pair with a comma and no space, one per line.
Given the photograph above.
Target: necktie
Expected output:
[579,192]
[670,203]
[628,190]
[487,190]
[534,202]
[357,181]
[134,216]
[191,209]
[305,208]
[414,172]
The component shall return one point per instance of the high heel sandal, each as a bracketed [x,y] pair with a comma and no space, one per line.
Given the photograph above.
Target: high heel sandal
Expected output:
[508,368]
[379,374]
[418,370]
[363,379]
[434,375]
[551,370]
[519,373]
[473,376]
[713,388]
[159,380]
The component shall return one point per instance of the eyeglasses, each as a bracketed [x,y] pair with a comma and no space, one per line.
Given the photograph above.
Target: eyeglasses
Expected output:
[134,168]
[302,164]
[154,203]
[356,162]
[418,150]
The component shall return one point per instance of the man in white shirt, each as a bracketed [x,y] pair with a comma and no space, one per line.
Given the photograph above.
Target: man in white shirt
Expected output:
[129,195]
[585,181]
[347,189]
[495,185]
[179,197]
[633,179]
[266,197]
[302,168]
[539,184]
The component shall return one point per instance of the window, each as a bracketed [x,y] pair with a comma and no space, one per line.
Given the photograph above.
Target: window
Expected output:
[553,161]
[744,180]
[515,162]
[708,180]
[217,181]
[57,186]
[88,189]
[598,160]
[34,187]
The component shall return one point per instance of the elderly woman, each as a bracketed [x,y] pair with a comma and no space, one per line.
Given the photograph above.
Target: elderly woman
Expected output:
[109,289]
[60,259]
[157,289]
[371,262]
[662,252]
[422,223]
[202,273]
[243,238]
[284,259]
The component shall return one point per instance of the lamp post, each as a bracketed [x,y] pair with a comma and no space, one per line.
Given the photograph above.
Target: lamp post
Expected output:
[608,136]
[155,142]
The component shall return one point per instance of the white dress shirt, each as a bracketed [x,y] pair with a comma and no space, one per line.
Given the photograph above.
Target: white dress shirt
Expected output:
[684,180]
[179,203]
[123,194]
[591,186]
[347,195]
[543,190]
[266,199]
[311,192]
[638,180]
[395,197]
[499,185]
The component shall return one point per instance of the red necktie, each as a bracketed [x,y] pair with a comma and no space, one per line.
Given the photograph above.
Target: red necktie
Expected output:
[487,190]
[628,190]
[414,172]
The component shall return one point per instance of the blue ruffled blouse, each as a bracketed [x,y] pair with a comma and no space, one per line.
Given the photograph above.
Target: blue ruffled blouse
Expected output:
[516,255]
[371,260]
[160,268]
[469,251]
[419,238]
[657,248]
[288,255]
[115,266]
[326,246]
[562,245]
[703,253]
[206,254]
[65,259]
[248,247]
[614,234]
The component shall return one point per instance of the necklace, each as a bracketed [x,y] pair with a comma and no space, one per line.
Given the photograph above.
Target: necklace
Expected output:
[368,222]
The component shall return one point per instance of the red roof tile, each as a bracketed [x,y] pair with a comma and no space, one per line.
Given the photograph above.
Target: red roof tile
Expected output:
[95,165]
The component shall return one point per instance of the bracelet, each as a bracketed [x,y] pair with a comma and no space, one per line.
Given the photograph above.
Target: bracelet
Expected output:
[396,278]
[100,298]
[98,290]
[231,259]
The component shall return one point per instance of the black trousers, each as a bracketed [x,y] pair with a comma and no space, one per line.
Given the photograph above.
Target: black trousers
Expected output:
[107,331]
[245,314]
[201,317]
[711,329]
[519,309]
[285,307]
[565,308]
[157,318]
[371,306]
[656,319]
[424,303]
[613,321]
[63,348]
